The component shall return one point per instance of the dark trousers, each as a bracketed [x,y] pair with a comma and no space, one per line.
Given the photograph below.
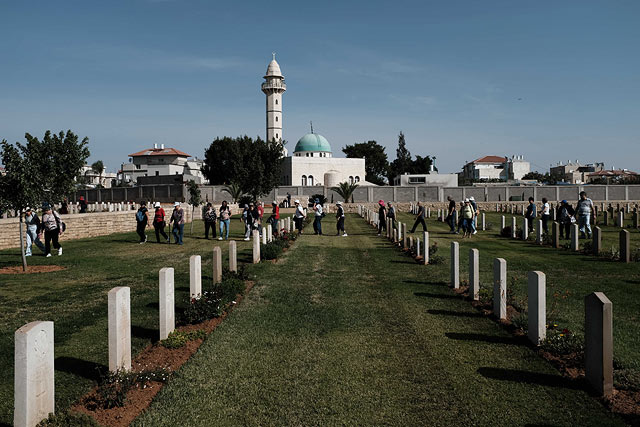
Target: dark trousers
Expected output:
[419,220]
[340,224]
[159,227]
[140,228]
[452,222]
[545,223]
[298,223]
[382,225]
[317,225]
[49,237]
[207,226]
[565,228]
[530,222]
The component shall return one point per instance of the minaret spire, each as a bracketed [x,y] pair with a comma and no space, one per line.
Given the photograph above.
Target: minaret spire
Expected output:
[274,86]
[311,123]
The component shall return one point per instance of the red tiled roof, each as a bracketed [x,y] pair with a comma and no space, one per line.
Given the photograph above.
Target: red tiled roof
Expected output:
[490,159]
[160,152]
[618,172]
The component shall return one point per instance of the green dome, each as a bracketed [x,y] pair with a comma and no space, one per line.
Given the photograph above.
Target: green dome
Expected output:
[313,142]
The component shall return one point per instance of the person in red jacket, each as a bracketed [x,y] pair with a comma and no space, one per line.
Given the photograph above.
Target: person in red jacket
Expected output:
[159,223]
[275,216]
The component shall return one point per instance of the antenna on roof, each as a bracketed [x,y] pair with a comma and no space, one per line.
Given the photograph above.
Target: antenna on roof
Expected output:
[311,123]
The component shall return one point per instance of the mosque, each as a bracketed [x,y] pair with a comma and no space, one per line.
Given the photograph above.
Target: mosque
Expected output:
[312,162]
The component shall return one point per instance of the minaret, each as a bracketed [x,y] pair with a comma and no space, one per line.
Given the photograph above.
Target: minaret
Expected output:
[274,87]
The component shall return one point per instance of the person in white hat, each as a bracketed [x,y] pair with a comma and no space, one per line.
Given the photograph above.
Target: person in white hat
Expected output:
[474,223]
[340,219]
[299,216]
[159,222]
[177,218]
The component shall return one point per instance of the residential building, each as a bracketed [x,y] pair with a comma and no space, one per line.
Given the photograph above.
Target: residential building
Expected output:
[573,172]
[612,176]
[160,161]
[91,179]
[496,168]
[432,179]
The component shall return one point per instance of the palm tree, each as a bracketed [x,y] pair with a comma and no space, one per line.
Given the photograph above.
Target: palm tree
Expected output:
[345,190]
[98,167]
[234,191]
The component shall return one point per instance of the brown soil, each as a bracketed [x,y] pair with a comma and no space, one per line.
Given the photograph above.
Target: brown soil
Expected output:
[153,357]
[31,269]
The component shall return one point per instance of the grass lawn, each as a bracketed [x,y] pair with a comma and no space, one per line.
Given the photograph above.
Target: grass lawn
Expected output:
[566,271]
[76,300]
[349,331]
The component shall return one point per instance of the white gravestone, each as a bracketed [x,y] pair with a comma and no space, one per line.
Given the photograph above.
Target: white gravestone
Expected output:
[598,354]
[455,265]
[33,374]
[500,288]
[195,276]
[217,264]
[233,256]
[537,302]
[525,228]
[425,238]
[539,233]
[575,243]
[256,247]
[513,227]
[269,233]
[474,274]
[167,303]
[119,313]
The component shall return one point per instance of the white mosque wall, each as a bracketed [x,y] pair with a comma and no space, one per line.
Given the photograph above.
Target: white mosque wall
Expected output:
[308,171]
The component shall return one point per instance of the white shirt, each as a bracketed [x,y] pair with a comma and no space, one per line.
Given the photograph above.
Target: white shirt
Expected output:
[545,209]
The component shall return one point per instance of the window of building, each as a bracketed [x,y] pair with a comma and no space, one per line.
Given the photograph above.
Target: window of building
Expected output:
[357,179]
[350,180]
[277,136]
[157,173]
[304,180]
[276,102]
[137,166]
[417,180]
[310,180]
[276,118]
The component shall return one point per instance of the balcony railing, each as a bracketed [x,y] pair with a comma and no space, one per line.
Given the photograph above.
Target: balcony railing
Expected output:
[274,85]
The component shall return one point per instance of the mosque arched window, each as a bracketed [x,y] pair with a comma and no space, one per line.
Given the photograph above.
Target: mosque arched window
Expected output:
[310,180]
[276,102]
[276,118]
[350,180]
[304,180]
[357,179]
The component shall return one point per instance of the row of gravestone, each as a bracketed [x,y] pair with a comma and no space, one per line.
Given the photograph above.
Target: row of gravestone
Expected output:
[598,308]
[34,351]
[574,233]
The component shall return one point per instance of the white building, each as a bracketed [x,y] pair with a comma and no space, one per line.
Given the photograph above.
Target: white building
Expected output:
[312,162]
[160,161]
[496,168]
[92,179]
[433,179]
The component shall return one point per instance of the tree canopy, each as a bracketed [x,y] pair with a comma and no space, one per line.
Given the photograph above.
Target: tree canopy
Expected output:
[254,165]
[376,162]
[405,164]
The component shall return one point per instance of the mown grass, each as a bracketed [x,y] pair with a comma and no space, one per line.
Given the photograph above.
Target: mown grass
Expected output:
[566,272]
[76,300]
[349,331]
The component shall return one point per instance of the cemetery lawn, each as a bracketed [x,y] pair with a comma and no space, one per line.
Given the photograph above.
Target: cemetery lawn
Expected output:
[350,331]
[76,300]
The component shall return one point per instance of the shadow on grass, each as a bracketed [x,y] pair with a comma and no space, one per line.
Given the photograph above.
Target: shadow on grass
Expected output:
[455,313]
[146,333]
[415,282]
[82,368]
[492,339]
[527,377]
[403,262]
[440,296]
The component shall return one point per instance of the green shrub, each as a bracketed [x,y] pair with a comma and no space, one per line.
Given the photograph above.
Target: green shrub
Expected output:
[229,289]
[271,250]
[626,379]
[521,321]
[114,386]
[485,295]
[177,339]
[208,306]
[562,341]
[435,259]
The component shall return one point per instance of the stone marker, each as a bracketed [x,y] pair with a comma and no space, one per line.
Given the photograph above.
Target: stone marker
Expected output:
[417,247]
[288,227]
[525,228]
[474,274]
[598,352]
[233,257]
[264,236]
[625,246]
[503,223]
[597,240]
[513,227]
[269,233]
[500,288]
[455,265]
[605,217]
[217,265]
[410,243]
[484,227]
[539,232]
[555,234]
[33,374]
[621,219]
[636,220]
[119,314]
[405,237]
[167,303]
[195,276]
[537,302]
[575,242]
[425,257]
[256,247]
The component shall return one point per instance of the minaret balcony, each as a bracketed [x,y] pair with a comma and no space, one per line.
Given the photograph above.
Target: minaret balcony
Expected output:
[274,85]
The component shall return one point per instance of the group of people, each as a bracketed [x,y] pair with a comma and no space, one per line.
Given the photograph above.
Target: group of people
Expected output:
[318,214]
[583,214]
[467,217]
[51,226]
[159,223]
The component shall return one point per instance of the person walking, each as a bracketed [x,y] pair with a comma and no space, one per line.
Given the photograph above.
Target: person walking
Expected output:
[451,215]
[288,199]
[32,223]
[298,216]
[178,220]
[474,223]
[340,218]
[531,214]
[51,224]
[419,219]
[210,221]
[466,214]
[256,223]
[318,215]
[461,222]
[274,217]
[546,215]
[159,222]
[246,219]
[142,220]
[225,220]
[83,205]
[585,211]
[382,217]
[391,213]
[565,216]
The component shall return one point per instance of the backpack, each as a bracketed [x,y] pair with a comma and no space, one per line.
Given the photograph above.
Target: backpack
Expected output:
[140,216]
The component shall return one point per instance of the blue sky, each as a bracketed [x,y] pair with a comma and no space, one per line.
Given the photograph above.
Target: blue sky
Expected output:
[462,79]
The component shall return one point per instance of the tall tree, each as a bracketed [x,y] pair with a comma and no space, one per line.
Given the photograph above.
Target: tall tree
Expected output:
[402,163]
[421,165]
[254,165]
[376,162]
[40,171]
[195,199]
[98,167]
